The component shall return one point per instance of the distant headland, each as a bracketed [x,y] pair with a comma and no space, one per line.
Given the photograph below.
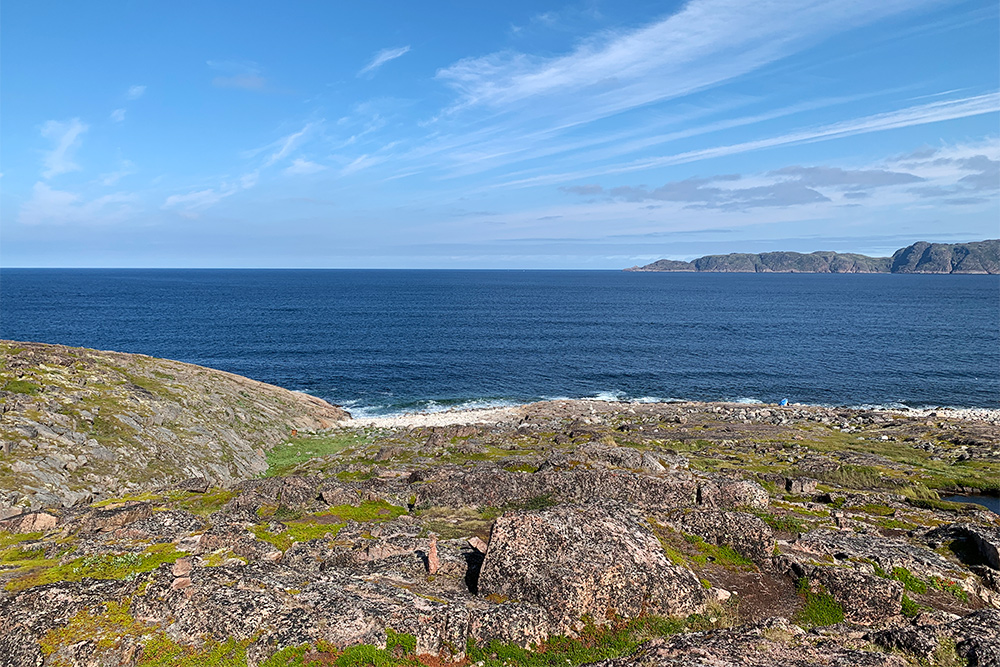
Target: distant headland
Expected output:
[979,257]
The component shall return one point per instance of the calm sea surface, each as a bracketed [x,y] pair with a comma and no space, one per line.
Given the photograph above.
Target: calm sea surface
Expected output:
[390,341]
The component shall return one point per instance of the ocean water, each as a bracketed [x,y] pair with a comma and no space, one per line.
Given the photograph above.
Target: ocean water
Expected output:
[384,342]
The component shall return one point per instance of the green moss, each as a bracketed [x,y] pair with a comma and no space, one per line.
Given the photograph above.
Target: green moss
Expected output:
[593,643]
[819,609]
[105,628]
[204,504]
[400,642]
[368,511]
[785,524]
[102,566]
[161,651]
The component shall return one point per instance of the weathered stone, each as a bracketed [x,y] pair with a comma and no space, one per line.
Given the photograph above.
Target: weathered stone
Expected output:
[595,560]
[745,533]
[866,600]
[800,485]
[29,523]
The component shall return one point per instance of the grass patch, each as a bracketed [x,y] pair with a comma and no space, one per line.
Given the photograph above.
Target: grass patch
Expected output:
[848,476]
[282,458]
[21,387]
[783,524]
[369,511]
[593,643]
[720,554]
[820,608]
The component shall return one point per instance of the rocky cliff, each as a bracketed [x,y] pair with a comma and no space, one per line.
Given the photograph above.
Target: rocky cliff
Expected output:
[77,424]
[922,257]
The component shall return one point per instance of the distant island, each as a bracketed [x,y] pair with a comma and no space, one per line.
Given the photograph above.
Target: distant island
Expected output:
[981,257]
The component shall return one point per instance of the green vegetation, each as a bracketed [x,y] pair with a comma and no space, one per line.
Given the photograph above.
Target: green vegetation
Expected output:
[820,608]
[21,387]
[784,524]
[910,581]
[161,651]
[104,628]
[102,566]
[284,457]
[848,476]
[368,511]
[911,609]
[720,554]
[593,643]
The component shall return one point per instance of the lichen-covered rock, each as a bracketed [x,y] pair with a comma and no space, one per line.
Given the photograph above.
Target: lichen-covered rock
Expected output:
[866,599]
[86,422]
[594,560]
[772,642]
[986,539]
[745,533]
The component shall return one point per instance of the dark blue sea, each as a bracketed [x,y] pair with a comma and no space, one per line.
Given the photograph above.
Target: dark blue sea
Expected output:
[389,341]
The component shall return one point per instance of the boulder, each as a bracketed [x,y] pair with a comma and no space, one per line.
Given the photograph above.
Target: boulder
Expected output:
[745,533]
[597,560]
[866,599]
[29,523]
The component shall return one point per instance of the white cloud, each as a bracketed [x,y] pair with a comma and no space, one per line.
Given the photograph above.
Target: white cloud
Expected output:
[118,115]
[66,139]
[135,92]
[127,169]
[49,206]
[200,199]
[911,116]
[286,145]
[381,58]
[303,167]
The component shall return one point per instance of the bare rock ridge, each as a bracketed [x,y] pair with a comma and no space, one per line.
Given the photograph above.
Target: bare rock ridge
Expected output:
[593,533]
[921,257]
[76,424]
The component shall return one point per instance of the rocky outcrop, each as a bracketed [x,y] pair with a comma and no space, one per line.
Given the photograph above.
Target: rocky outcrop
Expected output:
[78,423]
[921,257]
[775,641]
[599,560]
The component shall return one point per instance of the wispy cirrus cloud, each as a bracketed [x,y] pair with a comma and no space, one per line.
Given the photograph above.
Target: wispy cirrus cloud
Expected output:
[240,74]
[50,206]
[118,115]
[381,58]
[65,137]
[301,167]
[705,43]
[922,114]
[135,92]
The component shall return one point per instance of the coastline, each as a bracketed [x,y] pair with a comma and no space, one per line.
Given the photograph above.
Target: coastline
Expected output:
[514,413]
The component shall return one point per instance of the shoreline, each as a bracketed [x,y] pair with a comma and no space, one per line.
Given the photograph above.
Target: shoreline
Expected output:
[510,413]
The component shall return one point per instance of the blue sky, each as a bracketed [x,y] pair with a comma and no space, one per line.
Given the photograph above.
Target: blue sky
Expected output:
[492,135]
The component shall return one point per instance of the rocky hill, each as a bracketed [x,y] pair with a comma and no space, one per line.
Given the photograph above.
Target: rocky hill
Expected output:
[922,257]
[77,424]
[559,533]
